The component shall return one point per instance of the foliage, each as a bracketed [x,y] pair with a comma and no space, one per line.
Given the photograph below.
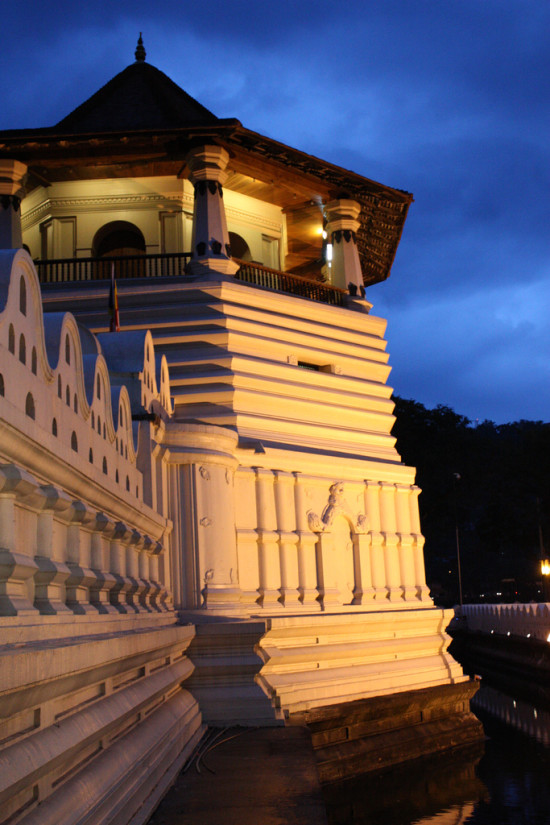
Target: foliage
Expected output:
[492,481]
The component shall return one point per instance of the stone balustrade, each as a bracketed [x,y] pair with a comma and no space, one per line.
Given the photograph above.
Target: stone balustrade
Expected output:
[60,556]
[527,620]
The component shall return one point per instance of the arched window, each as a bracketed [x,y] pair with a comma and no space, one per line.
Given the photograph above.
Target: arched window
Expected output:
[116,476]
[34,361]
[2,388]
[75,403]
[127,483]
[104,465]
[11,339]
[121,413]
[67,396]
[91,456]
[98,387]
[67,349]
[54,427]
[104,432]
[93,421]
[29,406]
[22,349]
[99,424]
[59,387]
[74,442]
[22,296]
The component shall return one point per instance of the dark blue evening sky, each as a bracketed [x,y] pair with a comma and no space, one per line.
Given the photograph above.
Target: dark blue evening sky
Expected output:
[447,99]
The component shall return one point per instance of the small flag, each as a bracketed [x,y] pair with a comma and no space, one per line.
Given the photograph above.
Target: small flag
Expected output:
[114,325]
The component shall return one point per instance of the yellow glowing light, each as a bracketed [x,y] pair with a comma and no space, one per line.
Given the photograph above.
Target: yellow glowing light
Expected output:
[545,567]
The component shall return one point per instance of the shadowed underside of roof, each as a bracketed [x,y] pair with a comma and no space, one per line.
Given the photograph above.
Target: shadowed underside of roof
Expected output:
[139,97]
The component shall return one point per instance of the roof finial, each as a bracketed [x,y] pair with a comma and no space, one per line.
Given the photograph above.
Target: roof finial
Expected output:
[140,51]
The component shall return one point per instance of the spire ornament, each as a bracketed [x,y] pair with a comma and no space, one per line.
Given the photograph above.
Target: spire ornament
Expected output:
[140,50]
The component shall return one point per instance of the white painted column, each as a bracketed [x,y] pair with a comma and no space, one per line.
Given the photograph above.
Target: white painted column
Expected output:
[391,540]
[203,509]
[268,539]
[307,564]
[378,568]
[342,225]
[11,193]
[211,249]
[406,541]
[288,538]
[423,591]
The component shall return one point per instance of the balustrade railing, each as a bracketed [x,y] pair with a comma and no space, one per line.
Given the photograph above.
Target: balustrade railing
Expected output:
[62,270]
[267,278]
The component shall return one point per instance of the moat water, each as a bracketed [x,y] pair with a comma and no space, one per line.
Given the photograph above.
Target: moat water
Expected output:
[503,781]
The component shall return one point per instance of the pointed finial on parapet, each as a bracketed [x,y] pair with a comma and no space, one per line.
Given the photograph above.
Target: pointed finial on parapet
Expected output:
[140,50]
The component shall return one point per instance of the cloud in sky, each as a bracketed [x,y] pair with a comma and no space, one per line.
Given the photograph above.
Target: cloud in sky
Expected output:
[447,100]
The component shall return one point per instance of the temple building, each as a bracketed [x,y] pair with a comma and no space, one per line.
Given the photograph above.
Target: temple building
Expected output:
[206,507]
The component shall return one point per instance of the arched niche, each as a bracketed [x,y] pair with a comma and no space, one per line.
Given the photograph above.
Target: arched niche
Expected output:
[118,239]
[239,247]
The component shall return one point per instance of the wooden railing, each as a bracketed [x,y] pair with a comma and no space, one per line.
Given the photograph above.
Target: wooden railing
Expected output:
[262,276]
[60,270]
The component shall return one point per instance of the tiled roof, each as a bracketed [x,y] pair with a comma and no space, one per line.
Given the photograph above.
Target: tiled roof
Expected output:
[139,97]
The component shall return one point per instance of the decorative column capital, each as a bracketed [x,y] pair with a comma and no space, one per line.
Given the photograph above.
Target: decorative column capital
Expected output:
[342,215]
[207,163]
[12,173]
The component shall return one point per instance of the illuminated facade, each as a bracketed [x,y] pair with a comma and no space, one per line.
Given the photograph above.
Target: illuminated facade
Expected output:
[260,455]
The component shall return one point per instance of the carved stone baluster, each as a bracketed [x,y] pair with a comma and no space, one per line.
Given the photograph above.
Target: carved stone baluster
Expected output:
[16,568]
[52,573]
[102,528]
[82,577]
[146,586]
[117,565]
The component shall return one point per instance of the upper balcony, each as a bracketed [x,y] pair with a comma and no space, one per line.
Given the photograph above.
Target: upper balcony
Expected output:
[67,270]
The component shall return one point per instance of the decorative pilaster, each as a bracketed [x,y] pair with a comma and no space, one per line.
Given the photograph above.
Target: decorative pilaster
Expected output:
[211,249]
[406,560]
[268,545]
[391,541]
[378,569]
[11,193]
[423,591]
[341,230]
[307,567]
[288,538]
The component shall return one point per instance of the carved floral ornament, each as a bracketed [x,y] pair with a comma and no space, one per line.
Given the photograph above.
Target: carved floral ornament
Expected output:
[337,506]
